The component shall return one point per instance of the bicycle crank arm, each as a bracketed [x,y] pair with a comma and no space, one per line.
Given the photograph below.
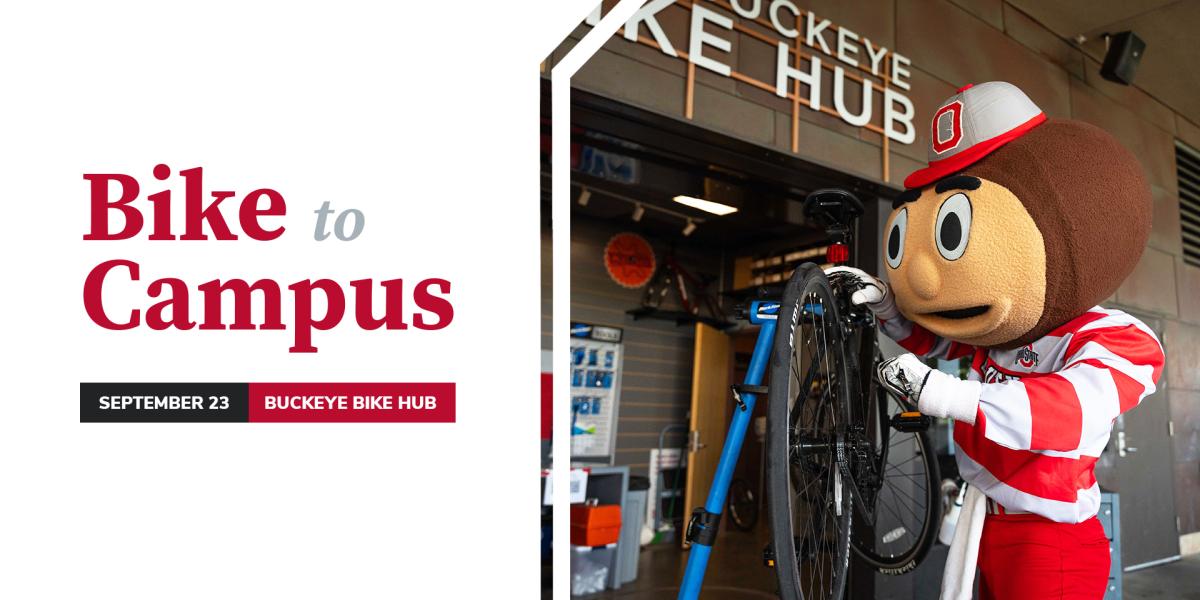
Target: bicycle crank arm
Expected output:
[911,422]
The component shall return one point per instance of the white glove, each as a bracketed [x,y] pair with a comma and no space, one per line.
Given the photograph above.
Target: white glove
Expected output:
[874,293]
[935,393]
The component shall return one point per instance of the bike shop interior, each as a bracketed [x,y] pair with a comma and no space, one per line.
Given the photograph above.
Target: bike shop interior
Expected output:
[669,278]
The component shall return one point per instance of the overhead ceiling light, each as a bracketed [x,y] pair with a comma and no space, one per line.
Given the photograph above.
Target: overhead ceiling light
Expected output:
[638,211]
[708,206]
[584,195]
[689,228]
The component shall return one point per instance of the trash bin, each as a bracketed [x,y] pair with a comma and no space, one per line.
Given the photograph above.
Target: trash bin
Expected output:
[590,568]
[633,519]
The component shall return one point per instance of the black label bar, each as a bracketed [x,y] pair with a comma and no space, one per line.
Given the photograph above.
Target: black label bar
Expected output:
[164,402]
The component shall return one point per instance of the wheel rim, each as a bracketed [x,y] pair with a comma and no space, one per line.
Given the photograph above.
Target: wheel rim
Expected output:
[820,498]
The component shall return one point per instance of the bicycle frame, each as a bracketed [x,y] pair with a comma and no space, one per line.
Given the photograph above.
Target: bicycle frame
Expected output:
[765,314]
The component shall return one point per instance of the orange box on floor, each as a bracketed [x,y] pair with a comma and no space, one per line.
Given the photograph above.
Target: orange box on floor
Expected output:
[595,525]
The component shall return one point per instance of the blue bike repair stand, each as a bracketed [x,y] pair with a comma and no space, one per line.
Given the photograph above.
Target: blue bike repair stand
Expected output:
[762,313]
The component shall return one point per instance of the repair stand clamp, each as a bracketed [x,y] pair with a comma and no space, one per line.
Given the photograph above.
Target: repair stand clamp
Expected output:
[702,527]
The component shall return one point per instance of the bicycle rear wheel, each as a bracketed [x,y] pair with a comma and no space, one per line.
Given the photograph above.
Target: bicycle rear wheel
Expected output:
[742,505]
[808,394]
[902,474]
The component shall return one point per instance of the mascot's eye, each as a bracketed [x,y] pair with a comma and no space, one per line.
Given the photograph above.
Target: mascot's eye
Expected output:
[895,239]
[953,226]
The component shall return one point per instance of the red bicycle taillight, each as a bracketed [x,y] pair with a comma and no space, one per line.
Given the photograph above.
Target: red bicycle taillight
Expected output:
[837,253]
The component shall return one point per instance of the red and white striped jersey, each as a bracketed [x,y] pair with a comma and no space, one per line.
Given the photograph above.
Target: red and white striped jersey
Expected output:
[1046,409]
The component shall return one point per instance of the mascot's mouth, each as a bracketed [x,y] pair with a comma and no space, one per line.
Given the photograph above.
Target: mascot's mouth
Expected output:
[961,313]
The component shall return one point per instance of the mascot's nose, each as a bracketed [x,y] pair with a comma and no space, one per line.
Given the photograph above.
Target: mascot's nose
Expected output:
[923,277]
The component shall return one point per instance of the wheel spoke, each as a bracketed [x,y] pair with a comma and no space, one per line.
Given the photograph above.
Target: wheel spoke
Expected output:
[911,477]
[908,508]
[899,519]
[906,461]
[915,502]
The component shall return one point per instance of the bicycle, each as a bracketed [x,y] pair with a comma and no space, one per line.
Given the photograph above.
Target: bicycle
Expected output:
[838,444]
[742,505]
[673,276]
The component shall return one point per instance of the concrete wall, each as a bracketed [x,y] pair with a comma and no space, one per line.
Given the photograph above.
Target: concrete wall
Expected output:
[951,44]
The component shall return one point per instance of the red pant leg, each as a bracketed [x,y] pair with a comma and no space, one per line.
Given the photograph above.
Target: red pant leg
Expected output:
[1027,557]
[1088,561]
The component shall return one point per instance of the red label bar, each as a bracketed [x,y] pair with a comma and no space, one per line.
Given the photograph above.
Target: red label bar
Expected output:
[351,402]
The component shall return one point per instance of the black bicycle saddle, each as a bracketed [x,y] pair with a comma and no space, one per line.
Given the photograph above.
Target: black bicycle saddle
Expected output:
[833,206]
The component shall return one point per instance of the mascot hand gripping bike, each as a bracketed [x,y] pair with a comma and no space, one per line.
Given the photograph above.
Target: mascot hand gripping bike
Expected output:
[1000,251]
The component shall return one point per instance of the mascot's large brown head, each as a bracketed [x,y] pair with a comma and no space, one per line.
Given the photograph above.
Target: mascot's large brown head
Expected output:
[1019,223]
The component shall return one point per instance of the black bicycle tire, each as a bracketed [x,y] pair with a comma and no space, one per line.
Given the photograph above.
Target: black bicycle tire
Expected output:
[779,491]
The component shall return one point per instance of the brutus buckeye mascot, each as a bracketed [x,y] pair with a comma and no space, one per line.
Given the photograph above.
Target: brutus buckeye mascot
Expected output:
[1000,251]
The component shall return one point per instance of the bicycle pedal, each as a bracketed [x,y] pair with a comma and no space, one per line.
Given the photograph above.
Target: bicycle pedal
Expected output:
[911,422]
[769,556]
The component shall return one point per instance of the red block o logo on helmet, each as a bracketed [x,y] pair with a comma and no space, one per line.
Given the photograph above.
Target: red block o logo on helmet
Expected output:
[947,127]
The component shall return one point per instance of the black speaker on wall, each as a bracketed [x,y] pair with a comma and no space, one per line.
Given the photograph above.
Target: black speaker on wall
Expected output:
[1125,51]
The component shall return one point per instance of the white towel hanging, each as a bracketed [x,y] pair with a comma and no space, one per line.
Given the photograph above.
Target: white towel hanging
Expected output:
[958,580]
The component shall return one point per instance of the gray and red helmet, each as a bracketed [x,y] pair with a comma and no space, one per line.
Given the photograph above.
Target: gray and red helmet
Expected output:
[972,124]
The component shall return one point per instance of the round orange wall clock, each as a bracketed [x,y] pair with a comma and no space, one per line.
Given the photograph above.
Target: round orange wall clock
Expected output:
[629,260]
